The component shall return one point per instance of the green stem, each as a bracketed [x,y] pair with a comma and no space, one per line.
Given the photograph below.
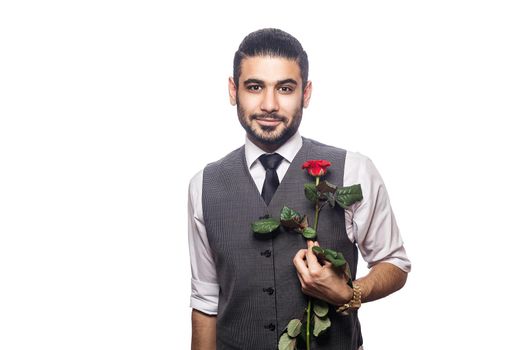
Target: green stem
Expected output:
[308,310]
[308,323]
[316,218]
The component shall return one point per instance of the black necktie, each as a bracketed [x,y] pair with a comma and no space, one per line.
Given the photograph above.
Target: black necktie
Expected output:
[270,162]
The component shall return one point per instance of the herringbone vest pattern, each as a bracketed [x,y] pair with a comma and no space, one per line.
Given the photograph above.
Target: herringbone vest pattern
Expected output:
[259,288]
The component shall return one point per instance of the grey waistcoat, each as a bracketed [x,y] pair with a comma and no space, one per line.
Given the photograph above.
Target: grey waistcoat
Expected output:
[259,288]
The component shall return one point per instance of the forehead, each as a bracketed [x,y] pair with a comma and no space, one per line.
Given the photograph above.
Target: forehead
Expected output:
[269,68]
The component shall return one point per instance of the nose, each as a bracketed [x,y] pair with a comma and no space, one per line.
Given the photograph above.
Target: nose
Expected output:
[269,103]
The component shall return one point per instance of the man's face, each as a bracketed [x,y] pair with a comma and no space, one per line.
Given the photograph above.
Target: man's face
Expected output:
[269,99]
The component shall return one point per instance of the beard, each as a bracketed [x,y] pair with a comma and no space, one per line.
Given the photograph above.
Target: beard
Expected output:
[269,135]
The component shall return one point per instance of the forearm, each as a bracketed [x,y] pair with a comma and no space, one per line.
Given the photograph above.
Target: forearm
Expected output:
[382,280]
[203,335]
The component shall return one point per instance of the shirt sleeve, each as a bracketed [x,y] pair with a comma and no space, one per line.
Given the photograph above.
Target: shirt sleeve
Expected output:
[371,222]
[204,286]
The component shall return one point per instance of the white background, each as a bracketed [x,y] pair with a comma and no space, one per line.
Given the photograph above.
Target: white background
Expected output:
[109,107]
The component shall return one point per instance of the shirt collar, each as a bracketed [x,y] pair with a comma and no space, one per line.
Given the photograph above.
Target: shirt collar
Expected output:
[288,150]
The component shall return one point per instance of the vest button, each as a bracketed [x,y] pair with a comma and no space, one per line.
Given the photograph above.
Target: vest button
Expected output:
[270,326]
[267,253]
[269,290]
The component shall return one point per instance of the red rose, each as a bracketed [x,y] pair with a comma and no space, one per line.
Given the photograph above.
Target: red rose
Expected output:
[316,167]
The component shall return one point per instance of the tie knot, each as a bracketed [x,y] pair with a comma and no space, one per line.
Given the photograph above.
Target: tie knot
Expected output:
[270,161]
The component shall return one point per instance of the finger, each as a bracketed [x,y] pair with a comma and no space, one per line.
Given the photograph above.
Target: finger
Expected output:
[301,280]
[300,264]
[320,259]
[300,255]
[306,289]
[311,259]
[327,264]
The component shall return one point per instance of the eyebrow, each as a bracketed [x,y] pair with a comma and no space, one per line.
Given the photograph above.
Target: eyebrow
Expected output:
[260,82]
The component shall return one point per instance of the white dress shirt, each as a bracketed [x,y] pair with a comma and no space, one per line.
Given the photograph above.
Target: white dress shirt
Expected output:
[370,223]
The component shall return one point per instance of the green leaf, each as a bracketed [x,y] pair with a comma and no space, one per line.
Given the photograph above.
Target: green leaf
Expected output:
[318,250]
[321,324]
[309,233]
[330,198]
[340,260]
[336,258]
[289,214]
[320,308]
[330,252]
[346,196]
[326,187]
[286,342]
[337,262]
[310,191]
[290,218]
[265,225]
[294,327]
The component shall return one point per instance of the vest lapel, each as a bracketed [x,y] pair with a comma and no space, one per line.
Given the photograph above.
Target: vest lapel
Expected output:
[291,173]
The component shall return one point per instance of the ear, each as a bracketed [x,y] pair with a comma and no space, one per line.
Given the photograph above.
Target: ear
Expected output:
[232,90]
[307,93]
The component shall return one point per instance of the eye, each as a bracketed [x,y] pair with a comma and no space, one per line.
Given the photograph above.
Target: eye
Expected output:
[286,89]
[254,87]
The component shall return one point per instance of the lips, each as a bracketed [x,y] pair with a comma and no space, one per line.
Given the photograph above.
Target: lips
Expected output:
[268,121]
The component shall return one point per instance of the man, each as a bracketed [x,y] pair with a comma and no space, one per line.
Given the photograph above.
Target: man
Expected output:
[245,289]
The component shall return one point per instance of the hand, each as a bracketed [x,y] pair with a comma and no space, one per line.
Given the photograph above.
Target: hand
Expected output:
[321,281]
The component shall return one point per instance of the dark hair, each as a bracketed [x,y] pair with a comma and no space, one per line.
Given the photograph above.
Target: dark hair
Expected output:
[271,42]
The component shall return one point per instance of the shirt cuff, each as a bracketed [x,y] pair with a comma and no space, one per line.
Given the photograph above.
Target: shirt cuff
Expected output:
[204,296]
[404,265]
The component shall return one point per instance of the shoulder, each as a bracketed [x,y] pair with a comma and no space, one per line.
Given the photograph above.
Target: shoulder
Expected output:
[359,168]
[357,161]
[196,181]
[320,145]
[226,160]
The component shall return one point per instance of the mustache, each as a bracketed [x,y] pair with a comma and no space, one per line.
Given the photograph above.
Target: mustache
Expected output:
[273,116]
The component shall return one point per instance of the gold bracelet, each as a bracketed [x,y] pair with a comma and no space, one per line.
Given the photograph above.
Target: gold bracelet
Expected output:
[354,303]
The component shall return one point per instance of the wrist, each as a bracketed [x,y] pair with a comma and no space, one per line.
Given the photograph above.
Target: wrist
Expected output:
[348,294]
[353,303]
